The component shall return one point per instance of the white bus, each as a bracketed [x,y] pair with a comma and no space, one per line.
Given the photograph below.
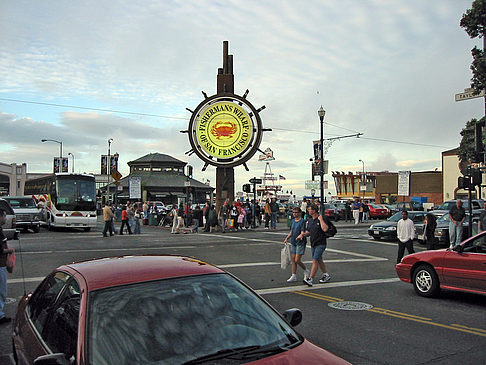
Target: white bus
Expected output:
[67,200]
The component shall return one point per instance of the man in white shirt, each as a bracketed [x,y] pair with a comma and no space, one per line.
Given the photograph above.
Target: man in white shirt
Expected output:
[405,235]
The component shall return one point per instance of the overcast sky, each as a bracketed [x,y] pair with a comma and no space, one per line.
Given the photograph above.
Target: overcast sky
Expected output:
[387,69]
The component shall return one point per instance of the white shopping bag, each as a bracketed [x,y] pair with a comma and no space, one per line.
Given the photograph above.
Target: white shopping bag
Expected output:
[285,256]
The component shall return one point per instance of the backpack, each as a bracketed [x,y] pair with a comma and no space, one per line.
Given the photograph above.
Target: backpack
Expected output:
[331,230]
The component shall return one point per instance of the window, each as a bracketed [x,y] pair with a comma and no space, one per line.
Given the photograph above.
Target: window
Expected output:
[61,329]
[43,299]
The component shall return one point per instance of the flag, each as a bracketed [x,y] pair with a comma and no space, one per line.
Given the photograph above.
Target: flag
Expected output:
[281,177]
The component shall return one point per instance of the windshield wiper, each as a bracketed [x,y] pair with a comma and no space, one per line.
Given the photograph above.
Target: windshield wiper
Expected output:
[221,354]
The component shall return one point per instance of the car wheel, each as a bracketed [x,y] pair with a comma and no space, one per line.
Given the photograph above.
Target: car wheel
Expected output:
[425,281]
[36,228]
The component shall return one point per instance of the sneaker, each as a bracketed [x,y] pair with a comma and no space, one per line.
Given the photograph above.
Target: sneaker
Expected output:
[292,278]
[306,274]
[308,282]
[325,278]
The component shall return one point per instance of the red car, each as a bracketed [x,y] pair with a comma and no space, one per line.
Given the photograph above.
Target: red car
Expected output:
[154,309]
[378,212]
[462,268]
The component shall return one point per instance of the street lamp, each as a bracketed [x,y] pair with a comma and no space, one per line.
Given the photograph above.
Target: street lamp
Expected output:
[70,154]
[108,170]
[363,182]
[53,140]
[321,112]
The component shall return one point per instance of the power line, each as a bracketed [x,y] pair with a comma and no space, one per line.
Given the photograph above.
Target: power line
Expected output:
[95,109]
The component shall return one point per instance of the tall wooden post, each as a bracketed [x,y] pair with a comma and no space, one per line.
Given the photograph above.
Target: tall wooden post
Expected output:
[225,176]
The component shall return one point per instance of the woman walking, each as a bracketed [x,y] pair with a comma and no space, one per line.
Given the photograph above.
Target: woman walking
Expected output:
[297,247]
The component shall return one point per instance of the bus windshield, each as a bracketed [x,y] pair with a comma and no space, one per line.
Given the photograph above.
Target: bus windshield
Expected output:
[76,194]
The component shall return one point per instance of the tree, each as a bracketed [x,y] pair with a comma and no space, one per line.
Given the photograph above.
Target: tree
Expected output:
[467,148]
[474,23]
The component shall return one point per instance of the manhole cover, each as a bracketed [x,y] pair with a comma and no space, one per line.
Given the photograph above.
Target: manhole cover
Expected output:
[350,306]
[10,300]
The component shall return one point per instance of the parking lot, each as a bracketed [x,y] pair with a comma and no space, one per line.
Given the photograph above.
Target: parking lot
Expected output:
[364,314]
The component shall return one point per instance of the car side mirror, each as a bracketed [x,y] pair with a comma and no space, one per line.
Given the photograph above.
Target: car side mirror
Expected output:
[458,248]
[293,316]
[52,359]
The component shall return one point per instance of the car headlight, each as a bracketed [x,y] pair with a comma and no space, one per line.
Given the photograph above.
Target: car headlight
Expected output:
[391,229]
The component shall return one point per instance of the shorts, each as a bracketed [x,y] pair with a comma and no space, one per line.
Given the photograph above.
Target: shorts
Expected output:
[298,249]
[317,252]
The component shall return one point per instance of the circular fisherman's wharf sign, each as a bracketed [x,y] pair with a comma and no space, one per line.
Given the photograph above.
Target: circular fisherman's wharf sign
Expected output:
[225,130]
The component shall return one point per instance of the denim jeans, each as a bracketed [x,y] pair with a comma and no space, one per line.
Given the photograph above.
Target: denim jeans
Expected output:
[274,219]
[3,289]
[137,226]
[455,233]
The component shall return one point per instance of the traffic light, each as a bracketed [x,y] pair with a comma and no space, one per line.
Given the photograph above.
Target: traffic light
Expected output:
[246,188]
[477,177]
[463,182]
[189,171]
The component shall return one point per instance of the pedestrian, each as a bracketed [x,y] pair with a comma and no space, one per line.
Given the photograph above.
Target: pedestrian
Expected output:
[241,218]
[356,208]
[482,220]
[303,206]
[405,235]
[108,219]
[274,208]
[131,215]
[213,219]
[125,221]
[297,247]
[197,218]
[175,219]
[223,216]
[145,213]
[347,212]
[137,217]
[429,231]
[457,215]
[4,252]
[258,213]
[206,216]
[366,212]
[316,227]
[268,213]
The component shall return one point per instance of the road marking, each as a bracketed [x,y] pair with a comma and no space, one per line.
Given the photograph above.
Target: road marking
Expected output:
[391,313]
[104,250]
[288,289]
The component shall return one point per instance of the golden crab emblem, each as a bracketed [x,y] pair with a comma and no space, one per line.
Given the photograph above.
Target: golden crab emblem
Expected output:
[224,130]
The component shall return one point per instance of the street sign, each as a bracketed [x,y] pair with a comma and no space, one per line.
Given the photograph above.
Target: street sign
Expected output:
[255,181]
[468,94]
[116,175]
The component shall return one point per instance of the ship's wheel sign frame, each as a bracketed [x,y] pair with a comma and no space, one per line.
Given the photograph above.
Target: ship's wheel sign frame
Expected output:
[225,130]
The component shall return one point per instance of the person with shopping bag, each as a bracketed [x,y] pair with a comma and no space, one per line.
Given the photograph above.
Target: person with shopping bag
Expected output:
[5,251]
[297,247]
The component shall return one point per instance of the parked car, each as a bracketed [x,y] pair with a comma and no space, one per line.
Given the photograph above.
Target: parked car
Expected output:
[26,212]
[461,269]
[377,211]
[410,206]
[9,226]
[388,229]
[341,210]
[330,212]
[446,206]
[155,309]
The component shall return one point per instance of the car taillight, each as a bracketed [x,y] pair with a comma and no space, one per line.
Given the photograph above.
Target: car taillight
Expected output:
[14,222]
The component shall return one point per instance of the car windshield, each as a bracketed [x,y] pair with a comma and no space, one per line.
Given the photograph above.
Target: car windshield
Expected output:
[449,205]
[173,321]
[22,203]
[395,217]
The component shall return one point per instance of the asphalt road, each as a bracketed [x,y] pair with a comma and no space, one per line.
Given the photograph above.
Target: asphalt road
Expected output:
[364,314]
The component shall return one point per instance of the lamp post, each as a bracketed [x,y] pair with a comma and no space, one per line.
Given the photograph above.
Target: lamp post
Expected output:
[70,154]
[53,140]
[363,182]
[321,112]
[108,169]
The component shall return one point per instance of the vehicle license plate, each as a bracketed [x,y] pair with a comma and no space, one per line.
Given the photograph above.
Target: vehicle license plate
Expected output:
[376,232]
